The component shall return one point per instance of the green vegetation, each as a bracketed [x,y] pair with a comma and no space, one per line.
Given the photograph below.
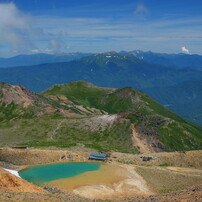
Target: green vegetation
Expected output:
[188,104]
[38,132]
[164,165]
[165,130]
[13,111]
[163,83]
[164,181]
[149,117]
[60,144]
[82,93]
[164,191]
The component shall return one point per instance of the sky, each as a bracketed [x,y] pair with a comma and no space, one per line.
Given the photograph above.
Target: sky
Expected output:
[63,26]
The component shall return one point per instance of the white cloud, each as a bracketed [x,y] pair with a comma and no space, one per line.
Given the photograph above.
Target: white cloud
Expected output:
[21,33]
[141,10]
[185,50]
[18,33]
[35,51]
[14,26]
[45,50]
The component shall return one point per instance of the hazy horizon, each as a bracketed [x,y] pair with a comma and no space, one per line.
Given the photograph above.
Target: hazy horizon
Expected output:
[66,53]
[55,27]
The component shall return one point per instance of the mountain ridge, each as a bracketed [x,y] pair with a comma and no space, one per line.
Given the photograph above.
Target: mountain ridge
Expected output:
[110,69]
[180,60]
[40,58]
[103,121]
[167,59]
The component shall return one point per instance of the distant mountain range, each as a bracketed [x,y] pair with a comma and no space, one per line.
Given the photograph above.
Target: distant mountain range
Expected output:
[80,113]
[177,87]
[177,60]
[35,59]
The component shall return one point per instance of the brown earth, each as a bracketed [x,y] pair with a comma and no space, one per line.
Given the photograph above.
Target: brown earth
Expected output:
[9,182]
[17,94]
[36,197]
[190,159]
[40,156]
[164,180]
[109,182]
[192,194]
[139,142]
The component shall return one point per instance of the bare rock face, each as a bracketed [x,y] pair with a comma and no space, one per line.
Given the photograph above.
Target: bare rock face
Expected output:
[17,94]
[9,182]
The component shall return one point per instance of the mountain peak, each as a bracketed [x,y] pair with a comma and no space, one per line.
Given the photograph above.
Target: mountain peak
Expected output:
[82,83]
[110,53]
[152,120]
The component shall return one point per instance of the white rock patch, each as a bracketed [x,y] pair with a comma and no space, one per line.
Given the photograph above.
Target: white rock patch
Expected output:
[14,172]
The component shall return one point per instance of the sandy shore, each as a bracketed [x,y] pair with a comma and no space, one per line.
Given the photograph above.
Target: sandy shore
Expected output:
[107,174]
[109,182]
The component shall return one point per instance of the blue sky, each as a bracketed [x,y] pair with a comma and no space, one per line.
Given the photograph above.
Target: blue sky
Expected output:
[60,26]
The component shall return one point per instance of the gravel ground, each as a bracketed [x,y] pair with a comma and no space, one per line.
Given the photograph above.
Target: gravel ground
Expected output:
[193,194]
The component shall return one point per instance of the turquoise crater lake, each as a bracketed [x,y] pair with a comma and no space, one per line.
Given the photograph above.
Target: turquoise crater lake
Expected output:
[42,174]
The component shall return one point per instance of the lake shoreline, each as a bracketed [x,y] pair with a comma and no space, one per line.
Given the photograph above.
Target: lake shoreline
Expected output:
[42,174]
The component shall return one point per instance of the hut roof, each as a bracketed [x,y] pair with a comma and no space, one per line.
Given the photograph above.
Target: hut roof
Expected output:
[99,155]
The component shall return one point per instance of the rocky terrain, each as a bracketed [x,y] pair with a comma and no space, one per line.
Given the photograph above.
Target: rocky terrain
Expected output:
[190,194]
[193,194]
[9,182]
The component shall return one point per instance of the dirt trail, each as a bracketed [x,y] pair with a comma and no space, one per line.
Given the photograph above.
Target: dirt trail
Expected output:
[51,134]
[138,142]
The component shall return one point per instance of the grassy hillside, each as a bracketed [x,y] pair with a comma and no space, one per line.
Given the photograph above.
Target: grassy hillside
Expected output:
[88,132]
[81,92]
[38,121]
[152,120]
[82,114]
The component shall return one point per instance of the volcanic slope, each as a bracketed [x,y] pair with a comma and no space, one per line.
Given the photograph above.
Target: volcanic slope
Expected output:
[160,128]
[9,182]
[38,121]
[79,113]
